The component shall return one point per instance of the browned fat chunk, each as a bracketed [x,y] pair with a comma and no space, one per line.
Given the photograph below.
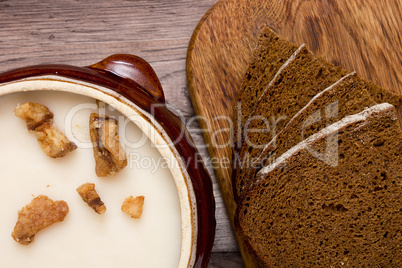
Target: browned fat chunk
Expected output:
[40,119]
[133,206]
[36,216]
[109,155]
[90,196]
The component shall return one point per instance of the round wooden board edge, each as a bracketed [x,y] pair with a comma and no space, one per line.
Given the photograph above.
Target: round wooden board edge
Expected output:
[248,260]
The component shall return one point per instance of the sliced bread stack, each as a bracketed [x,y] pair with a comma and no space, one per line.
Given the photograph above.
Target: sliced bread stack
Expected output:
[317,168]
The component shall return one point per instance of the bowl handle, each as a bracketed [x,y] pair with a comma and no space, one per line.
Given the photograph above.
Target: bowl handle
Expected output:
[132,69]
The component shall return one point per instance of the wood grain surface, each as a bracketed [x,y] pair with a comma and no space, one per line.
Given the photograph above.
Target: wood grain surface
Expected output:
[82,32]
[360,35]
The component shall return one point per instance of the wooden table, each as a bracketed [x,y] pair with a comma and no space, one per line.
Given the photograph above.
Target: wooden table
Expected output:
[82,32]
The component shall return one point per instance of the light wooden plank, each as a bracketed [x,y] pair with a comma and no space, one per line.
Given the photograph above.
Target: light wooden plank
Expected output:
[226,260]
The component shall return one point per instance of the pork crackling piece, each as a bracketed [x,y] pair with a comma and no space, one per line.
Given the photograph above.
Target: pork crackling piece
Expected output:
[110,156]
[36,216]
[40,119]
[90,196]
[133,206]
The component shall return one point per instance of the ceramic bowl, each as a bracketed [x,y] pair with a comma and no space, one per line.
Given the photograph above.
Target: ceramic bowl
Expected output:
[129,85]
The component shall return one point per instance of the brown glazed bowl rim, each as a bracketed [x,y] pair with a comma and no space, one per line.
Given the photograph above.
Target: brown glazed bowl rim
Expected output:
[132,78]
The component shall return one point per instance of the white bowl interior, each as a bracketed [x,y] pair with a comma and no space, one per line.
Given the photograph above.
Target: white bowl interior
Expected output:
[166,233]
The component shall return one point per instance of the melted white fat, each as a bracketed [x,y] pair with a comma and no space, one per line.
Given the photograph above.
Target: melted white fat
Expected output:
[84,238]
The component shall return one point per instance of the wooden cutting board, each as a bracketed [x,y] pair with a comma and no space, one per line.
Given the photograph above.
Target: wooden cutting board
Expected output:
[360,35]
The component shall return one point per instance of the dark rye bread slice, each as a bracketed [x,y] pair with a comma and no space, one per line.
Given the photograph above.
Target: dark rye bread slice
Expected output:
[381,95]
[241,163]
[250,154]
[347,96]
[304,212]
[269,55]
[291,88]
